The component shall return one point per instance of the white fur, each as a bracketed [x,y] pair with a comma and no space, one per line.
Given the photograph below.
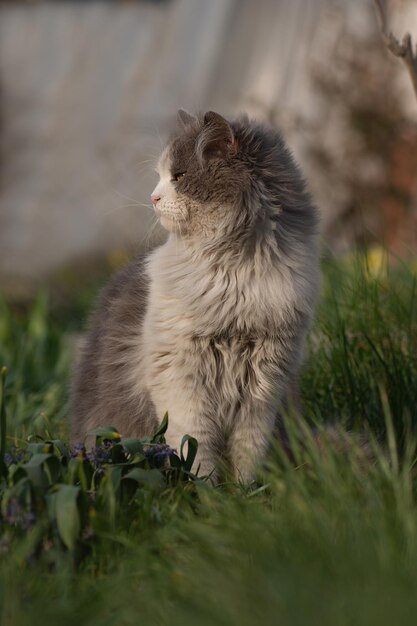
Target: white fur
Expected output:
[189,303]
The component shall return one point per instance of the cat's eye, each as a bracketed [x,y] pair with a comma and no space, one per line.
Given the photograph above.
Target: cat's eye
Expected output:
[178,176]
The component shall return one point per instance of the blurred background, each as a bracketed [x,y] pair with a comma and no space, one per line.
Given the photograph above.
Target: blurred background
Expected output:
[89,92]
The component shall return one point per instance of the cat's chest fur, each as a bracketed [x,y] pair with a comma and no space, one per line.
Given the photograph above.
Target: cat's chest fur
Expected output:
[198,297]
[211,327]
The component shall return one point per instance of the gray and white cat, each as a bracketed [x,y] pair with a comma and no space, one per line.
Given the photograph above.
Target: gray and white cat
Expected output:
[211,325]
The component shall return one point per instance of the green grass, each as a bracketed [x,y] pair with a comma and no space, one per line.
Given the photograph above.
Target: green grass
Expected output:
[364,342]
[35,350]
[329,540]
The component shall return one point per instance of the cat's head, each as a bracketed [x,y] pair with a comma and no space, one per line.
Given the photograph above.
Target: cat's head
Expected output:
[202,177]
[234,178]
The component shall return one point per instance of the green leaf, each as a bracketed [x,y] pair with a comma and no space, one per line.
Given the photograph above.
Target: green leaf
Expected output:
[38,459]
[58,447]
[161,430]
[68,515]
[118,454]
[42,469]
[17,474]
[115,476]
[191,452]
[104,432]
[153,479]
[20,491]
[80,470]
[133,446]
[40,447]
[174,461]
[133,452]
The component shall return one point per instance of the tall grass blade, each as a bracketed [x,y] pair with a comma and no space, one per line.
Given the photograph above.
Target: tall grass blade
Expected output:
[389,425]
[3,424]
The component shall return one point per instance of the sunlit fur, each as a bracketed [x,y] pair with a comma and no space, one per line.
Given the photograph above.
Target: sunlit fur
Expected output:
[211,325]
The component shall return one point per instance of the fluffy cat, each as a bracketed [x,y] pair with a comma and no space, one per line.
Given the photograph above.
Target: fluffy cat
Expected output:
[211,325]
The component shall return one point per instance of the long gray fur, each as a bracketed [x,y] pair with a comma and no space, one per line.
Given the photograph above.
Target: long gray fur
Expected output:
[210,326]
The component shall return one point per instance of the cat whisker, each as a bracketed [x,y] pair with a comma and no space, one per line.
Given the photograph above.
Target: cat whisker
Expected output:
[158,134]
[142,204]
[142,242]
[139,204]
[147,239]
[180,230]
[127,206]
[133,202]
[125,196]
[139,163]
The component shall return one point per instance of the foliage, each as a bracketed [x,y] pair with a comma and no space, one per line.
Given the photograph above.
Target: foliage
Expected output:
[36,353]
[364,346]
[116,535]
[72,495]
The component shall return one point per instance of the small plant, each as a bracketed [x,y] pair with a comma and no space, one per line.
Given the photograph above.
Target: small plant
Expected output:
[69,495]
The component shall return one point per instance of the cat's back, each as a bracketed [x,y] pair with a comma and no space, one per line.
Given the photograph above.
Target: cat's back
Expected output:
[100,392]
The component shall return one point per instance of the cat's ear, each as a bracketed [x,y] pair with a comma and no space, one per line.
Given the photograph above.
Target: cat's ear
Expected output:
[185,118]
[216,137]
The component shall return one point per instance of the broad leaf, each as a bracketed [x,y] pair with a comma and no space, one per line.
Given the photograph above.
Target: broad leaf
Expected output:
[68,515]
[158,436]
[191,452]
[148,478]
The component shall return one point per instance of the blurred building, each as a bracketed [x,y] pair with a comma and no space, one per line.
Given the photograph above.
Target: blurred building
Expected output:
[89,91]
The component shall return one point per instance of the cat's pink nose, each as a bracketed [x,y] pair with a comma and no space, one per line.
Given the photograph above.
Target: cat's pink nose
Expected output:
[155,199]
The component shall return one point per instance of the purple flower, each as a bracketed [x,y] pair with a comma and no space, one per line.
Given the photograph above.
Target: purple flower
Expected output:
[77,450]
[8,459]
[159,451]
[13,512]
[13,456]
[17,516]
[100,455]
